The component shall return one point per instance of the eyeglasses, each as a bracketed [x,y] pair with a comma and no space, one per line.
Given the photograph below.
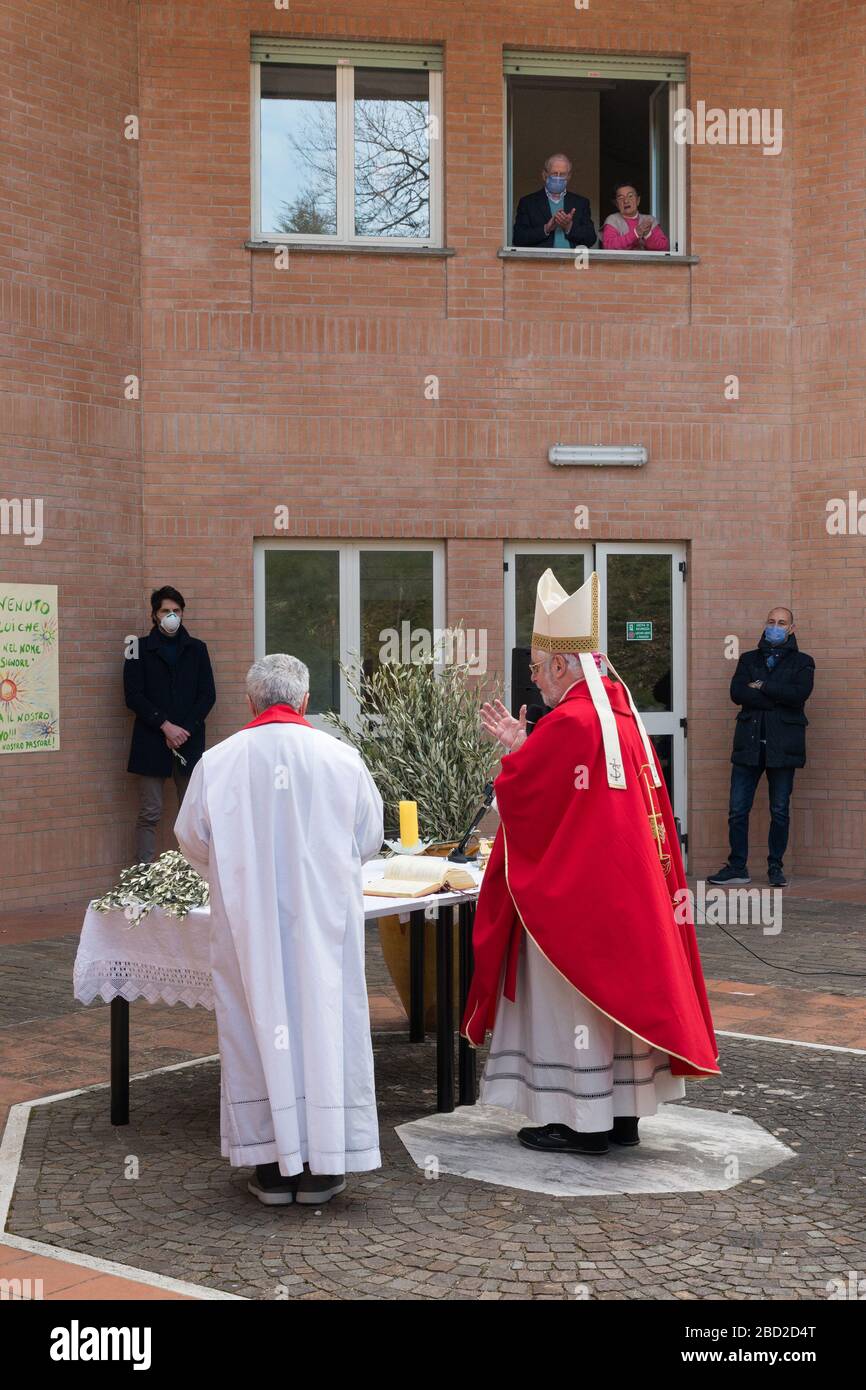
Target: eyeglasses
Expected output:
[535,666]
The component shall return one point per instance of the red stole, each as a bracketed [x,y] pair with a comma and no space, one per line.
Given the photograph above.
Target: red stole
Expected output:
[278,714]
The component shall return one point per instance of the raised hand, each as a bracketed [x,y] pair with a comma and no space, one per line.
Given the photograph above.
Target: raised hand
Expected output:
[507,730]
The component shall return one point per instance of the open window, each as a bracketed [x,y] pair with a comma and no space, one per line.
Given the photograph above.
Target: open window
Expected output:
[613,116]
[346,143]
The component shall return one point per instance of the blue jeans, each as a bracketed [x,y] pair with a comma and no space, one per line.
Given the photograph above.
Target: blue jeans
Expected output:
[744,782]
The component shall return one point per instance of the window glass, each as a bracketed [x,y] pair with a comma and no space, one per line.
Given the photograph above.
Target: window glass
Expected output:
[639,639]
[299,150]
[302,617]
[392,153]
[396,589]
[569,570]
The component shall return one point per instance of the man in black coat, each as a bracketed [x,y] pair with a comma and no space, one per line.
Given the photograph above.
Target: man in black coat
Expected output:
[772,684]
[553,217]
[168,682]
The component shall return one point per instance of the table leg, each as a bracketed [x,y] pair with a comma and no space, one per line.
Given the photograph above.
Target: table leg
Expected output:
[416,976]
[119,1061]
[466,1088]
[445,1010]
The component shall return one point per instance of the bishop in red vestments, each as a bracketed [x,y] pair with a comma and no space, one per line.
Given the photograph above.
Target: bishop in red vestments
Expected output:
[589,979]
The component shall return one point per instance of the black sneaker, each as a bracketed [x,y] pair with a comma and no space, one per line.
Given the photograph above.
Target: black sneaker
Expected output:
[624,1131]
[316,1188]
[559,1139]
[727,876]
[775,877]
[271,1187]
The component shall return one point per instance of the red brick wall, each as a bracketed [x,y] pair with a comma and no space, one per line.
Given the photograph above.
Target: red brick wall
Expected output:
[829,435]
[305,386]
[69,334]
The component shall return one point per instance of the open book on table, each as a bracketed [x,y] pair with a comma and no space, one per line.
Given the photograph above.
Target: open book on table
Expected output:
[414,876]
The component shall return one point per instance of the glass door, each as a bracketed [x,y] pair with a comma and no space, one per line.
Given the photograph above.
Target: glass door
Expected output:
[524,566]
[642,622]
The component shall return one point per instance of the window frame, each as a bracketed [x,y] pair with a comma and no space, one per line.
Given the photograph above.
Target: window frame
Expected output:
[345,235]
[350,598]
[676,227]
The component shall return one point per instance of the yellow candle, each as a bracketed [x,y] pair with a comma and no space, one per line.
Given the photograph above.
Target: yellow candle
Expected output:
[408,824]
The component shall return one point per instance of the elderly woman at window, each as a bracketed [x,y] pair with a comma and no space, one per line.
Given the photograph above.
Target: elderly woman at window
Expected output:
[628,229]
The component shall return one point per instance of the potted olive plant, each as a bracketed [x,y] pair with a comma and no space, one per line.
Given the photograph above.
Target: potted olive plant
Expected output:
[419,733]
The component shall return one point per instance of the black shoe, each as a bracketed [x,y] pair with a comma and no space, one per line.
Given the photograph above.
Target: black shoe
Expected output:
[271,1187]
[559,1139]
[727,876]
[624,1131]
[314,1189]
[775,877]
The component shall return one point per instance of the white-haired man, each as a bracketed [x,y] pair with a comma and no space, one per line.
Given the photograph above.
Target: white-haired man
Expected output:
[589,978]
[279,819]
[552,217]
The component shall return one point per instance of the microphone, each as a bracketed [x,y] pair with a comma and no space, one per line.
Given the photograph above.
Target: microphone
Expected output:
[459,855]
[533,714]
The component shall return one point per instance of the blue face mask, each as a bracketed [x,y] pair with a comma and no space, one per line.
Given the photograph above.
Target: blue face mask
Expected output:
[774,633]
[555,184]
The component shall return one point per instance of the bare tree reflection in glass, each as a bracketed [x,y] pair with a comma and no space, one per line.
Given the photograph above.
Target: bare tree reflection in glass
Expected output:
[392,153]
[392,159]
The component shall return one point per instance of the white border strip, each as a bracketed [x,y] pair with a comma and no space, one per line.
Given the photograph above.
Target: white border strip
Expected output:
[793,1042]
[10,1160]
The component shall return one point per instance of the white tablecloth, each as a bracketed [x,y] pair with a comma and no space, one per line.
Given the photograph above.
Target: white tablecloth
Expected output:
[167,959]
[163,959]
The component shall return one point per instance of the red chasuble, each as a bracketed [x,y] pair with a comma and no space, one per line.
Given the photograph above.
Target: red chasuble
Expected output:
[590,872]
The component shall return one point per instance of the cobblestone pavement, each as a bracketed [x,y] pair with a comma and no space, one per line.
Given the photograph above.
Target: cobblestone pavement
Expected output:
[820,939]
[396,1234]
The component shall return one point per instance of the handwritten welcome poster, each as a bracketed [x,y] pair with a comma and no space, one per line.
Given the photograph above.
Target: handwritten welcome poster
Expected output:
[29,677]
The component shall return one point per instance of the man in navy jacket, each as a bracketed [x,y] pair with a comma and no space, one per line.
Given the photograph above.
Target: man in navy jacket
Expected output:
[553,217]
[168,682]
[772,684]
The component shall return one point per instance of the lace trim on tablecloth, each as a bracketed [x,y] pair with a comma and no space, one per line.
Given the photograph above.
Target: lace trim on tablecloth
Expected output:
[167,984]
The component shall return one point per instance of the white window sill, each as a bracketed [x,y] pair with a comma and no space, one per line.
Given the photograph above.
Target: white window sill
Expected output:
[543,253]
[352,248]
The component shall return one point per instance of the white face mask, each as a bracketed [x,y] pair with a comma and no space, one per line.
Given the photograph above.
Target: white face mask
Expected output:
[170,624]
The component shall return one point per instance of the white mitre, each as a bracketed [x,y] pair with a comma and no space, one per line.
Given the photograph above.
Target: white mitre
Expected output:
[563,622]
[569,623]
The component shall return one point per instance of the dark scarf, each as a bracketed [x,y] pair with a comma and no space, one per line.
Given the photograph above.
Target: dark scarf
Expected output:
[773,652]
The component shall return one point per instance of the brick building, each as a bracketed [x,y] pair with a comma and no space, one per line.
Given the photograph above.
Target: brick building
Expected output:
[366,410]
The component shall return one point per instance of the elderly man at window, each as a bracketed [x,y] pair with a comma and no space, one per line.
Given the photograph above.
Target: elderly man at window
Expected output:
[628,229]
[552,217]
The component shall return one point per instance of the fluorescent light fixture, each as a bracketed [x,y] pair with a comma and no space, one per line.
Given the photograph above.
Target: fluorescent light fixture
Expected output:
[598,455]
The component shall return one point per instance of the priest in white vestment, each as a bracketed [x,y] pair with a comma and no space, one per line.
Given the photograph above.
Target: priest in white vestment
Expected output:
[279,819]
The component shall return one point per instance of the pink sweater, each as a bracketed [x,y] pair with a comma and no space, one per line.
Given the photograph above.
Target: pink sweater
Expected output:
[614,240]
